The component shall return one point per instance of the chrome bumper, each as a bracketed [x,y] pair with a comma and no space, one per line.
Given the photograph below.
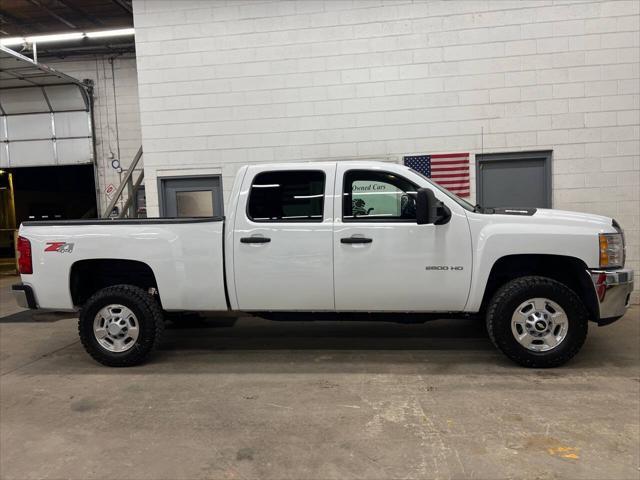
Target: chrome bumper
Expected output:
[613,290]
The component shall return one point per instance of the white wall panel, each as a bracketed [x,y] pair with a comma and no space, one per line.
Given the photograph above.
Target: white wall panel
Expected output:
[3,127]
[23,100]
[72,124]
[73,151]
[4,159]
[24,127]
[65,97]
[30,154]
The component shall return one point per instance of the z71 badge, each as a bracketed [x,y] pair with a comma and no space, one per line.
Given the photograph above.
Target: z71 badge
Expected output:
[60,247]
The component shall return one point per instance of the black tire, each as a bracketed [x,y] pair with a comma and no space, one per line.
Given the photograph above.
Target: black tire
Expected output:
[148,314]
[507,299]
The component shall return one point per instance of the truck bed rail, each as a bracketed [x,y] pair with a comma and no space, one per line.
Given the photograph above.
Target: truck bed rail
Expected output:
[123,221]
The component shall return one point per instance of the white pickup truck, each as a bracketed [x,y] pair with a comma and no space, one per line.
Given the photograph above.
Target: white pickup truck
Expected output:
[342,239]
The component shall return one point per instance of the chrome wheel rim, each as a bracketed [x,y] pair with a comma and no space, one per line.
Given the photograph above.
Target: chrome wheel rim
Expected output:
[116,328]
[539,324]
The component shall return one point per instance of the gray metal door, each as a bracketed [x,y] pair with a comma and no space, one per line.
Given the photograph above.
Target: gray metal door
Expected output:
[191,197]
[514,179]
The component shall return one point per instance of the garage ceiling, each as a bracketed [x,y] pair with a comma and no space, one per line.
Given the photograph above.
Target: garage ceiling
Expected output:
[20,18]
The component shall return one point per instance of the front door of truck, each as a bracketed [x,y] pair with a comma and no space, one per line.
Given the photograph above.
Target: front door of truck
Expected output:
[282,239]
[384,260]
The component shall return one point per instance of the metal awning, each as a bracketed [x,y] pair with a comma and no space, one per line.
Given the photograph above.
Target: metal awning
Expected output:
[16,70]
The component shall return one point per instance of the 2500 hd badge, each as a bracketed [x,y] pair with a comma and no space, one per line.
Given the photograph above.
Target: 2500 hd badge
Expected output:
[443,267]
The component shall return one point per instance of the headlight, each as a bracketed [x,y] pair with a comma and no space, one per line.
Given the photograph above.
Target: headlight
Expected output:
[611,250]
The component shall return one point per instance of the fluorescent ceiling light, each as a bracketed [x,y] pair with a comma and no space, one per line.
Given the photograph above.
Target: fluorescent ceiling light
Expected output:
[12,41]
[111,33]
[61,37]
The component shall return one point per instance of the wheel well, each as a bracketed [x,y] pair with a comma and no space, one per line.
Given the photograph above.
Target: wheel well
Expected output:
[89,276]
[569,271]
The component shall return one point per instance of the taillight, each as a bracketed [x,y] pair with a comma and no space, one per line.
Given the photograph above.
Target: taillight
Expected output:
[25,265]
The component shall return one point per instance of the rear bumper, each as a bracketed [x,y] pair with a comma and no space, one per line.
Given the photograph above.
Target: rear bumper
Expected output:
[613,290]
[24,296]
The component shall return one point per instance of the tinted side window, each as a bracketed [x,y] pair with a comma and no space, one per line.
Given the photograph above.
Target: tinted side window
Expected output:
[287,196]
[377,196]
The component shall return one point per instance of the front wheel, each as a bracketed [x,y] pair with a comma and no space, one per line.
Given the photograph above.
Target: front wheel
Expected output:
[537,322]
[121,325]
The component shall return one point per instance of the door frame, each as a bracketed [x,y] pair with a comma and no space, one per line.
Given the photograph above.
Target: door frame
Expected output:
[163,179]
[483,158]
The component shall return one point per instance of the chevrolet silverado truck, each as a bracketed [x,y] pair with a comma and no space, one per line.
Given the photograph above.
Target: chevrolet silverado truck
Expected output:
[340,240]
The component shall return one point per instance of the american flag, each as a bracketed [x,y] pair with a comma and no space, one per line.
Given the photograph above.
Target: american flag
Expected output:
[451,170]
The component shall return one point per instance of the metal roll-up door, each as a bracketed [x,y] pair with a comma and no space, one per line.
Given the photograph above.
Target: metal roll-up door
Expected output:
[45,125]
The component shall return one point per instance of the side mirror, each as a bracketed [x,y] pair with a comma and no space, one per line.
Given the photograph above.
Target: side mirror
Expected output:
[429,209]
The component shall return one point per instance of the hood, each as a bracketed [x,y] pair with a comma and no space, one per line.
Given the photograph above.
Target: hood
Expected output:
[556,217]
[566,216]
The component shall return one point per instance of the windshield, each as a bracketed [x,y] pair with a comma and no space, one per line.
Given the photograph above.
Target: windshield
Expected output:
[463,203]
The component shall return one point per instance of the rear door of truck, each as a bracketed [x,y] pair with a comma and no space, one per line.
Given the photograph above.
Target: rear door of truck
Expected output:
[283,238]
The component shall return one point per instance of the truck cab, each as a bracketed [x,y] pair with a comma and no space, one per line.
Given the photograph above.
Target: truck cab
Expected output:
[344,237]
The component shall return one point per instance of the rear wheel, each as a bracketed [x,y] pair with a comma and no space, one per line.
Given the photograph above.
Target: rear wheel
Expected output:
[537,322]
[121,325]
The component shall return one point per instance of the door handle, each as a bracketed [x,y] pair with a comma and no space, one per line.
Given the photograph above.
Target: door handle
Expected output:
[255,240]
[352,240]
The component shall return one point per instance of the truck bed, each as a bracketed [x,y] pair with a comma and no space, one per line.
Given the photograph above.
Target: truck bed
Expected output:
[186,256]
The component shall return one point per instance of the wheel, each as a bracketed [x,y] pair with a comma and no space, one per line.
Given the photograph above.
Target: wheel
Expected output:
[121,325]
[537,322]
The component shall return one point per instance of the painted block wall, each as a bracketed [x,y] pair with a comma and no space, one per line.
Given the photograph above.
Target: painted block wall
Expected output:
[225,83]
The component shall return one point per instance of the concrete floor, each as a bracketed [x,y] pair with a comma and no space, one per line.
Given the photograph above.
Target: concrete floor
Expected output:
[315,400]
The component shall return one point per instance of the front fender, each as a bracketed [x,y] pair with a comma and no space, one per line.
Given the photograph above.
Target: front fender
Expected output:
[494,238]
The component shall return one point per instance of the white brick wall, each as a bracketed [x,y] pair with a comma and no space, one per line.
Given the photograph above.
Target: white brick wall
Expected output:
[225,83]
[126,138]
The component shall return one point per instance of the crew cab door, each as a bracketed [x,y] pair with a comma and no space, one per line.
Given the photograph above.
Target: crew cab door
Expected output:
[282,238]
[384,260]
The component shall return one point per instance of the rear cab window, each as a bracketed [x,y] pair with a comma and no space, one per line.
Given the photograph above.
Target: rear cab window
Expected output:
[287,196]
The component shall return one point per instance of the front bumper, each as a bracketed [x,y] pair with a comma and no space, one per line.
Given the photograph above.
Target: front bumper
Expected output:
[24,296]
[613,290]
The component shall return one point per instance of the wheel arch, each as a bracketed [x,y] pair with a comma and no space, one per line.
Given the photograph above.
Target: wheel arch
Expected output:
[88,276]
[570,271]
